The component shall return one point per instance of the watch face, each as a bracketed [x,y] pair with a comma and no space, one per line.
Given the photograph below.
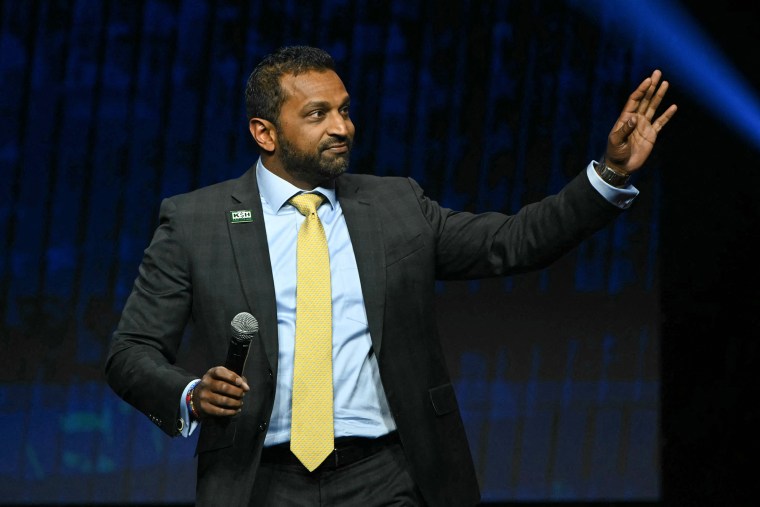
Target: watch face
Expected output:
[611,177]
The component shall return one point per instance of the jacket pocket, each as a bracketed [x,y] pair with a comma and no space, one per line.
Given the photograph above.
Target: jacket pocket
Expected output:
[443,398]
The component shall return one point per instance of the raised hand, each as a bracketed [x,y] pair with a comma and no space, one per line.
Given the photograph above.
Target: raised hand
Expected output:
[632,138]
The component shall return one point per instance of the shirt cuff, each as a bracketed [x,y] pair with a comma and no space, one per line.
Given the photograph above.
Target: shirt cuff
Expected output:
[189,425]
[620,197]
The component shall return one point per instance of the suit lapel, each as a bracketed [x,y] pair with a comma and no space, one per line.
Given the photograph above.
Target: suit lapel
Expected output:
[365,231]
[249,245]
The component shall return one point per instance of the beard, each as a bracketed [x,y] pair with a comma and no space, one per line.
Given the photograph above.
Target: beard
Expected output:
[317,167]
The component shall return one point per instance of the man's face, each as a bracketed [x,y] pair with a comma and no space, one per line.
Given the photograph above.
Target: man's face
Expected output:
[315,133]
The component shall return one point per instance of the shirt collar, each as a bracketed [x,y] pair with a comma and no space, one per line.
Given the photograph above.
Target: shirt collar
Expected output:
[276,191]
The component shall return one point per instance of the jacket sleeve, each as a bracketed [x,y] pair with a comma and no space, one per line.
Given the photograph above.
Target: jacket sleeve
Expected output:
[495,244]
[140,366]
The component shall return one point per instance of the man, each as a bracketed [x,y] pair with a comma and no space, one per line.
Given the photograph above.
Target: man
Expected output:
[394,420]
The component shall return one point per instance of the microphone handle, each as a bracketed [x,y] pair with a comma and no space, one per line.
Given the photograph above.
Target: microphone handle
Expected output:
[236,355]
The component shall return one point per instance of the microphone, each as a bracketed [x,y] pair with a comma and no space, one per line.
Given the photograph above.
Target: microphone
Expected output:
[244,328]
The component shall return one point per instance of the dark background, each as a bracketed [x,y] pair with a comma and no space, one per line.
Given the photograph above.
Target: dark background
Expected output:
[710,298]
[708,280]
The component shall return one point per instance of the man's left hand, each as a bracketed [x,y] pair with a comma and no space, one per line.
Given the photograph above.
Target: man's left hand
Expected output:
[632,139]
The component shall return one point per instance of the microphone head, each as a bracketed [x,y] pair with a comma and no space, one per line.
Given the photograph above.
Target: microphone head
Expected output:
[244,326]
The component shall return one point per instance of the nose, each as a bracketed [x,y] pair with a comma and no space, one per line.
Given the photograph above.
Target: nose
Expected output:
[340,125]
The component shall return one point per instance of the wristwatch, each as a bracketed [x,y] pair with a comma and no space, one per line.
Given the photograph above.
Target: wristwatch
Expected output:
[611,176]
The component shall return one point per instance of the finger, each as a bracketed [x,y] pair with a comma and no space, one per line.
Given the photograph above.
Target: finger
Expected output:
[229,376]
[635,98]
[664,118]
[654,79]
[657,100]
[212,403]
[656,76]
[222,373]
[241,382]
[622,130]
[210,408]
[225,389]
[222,401]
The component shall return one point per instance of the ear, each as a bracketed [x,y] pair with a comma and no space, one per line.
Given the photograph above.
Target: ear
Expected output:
[264,133]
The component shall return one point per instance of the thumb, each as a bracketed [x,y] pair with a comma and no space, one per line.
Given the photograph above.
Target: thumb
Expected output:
[620,135]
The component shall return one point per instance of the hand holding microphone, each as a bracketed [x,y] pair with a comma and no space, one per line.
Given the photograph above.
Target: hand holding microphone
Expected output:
[220,392]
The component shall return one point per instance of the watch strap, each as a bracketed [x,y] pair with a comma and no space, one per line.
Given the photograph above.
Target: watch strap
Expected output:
[611,176]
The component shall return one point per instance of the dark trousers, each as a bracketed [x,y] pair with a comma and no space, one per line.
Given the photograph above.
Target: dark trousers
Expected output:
[379,480]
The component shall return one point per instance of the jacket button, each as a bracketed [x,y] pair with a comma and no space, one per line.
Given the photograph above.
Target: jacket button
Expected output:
[263,426]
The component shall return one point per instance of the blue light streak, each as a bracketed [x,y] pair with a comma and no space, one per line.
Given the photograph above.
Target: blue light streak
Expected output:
[687,57]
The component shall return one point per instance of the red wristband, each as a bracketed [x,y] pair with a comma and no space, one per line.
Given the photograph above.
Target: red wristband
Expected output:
[189,400]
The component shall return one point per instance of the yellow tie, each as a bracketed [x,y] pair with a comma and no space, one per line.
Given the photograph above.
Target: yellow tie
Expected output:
[311,432]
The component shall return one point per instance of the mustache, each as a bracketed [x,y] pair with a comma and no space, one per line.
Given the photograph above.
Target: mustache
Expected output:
[335,141]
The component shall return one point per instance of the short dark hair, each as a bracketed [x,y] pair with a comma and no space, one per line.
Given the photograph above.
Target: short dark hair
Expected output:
[264,95]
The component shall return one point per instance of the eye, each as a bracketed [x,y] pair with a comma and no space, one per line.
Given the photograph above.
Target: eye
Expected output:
[316,114]
[345,110]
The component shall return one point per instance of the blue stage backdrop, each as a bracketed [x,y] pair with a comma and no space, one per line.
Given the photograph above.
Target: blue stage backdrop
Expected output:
[109,106]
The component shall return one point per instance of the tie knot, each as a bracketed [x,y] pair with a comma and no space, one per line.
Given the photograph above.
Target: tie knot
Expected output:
[307,203]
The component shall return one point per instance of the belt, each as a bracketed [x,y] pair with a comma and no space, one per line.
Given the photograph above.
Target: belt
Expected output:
[347,450]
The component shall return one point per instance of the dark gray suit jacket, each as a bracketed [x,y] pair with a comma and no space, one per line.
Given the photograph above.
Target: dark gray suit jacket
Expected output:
[200,269]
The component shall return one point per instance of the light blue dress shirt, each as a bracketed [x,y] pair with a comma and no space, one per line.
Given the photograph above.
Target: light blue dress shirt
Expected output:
[361,408]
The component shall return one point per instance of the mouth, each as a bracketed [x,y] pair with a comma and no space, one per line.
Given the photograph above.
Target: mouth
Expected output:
[337,148]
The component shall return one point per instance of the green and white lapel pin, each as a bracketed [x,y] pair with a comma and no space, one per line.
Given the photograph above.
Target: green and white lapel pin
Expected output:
[241,216]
